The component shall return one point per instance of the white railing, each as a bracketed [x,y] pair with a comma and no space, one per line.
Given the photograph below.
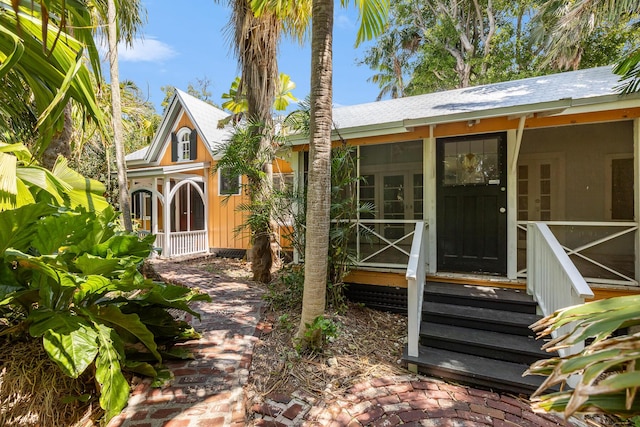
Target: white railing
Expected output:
[159,243]
[186,243]
[553,280]
[620,229]
[416,277]
[372,243]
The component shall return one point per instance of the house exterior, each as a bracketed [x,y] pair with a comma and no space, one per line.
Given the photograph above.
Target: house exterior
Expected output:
[477,164]
[175,192]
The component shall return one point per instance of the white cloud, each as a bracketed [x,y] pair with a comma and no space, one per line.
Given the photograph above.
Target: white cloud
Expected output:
[146,50]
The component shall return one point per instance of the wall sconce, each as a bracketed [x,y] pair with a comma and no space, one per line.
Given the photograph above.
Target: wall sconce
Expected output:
[472,123]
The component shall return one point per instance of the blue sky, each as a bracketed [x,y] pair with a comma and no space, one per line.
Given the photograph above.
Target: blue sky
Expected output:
[189,41]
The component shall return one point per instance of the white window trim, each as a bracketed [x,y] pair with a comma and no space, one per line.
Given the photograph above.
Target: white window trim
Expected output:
[220,185]
[180,148]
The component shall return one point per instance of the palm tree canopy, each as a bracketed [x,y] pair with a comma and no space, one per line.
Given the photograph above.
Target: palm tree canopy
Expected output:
[295,15]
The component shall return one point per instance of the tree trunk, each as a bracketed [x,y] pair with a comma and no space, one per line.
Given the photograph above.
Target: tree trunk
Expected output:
[257,48]
[61,142]
[116,109]
[319,180]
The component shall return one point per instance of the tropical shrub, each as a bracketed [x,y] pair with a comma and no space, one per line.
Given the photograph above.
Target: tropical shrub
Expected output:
[69,277]
[607,369]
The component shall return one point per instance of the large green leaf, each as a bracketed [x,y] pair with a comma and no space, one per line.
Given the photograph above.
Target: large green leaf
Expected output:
[123,245]
[69,340]
[17,226]
[114,387]
[57,232]
[131,323]
[91,264]
[92,288]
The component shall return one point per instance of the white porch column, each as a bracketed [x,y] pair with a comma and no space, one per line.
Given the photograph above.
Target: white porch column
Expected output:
[512,205]
[429,196]
[207,171]
[154,206]
[167,217]
[636,191]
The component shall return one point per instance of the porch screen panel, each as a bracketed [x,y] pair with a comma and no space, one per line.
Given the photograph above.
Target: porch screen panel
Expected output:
[392,185]
[581,175]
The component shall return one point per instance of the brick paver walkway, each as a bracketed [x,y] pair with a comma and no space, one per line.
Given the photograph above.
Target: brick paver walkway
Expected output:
[208,391]
[408,400]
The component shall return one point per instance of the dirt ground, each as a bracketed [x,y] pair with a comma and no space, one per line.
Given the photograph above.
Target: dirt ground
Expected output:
[368,344]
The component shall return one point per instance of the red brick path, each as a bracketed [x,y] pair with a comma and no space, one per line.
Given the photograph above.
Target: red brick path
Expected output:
[208,391]
[408,400]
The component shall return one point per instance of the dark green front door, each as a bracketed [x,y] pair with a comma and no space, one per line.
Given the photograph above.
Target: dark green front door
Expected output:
[471,204]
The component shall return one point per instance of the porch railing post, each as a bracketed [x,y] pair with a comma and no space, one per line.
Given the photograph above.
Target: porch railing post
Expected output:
[416,277]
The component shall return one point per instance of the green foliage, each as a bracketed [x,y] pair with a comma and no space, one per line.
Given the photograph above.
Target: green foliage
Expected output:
[607,368]
[344,209]
[22,182]
[286,292]
[70,278]
[317,333]
[236,98]
[285,322]
[429,43]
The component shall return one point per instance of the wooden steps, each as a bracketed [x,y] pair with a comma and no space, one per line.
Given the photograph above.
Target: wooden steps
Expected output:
[479,335]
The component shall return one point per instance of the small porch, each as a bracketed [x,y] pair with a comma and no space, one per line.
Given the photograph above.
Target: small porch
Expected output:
[170,202]
[478,193]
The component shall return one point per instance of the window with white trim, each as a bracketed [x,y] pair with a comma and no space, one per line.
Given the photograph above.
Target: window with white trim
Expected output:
[228,183]
[184,144]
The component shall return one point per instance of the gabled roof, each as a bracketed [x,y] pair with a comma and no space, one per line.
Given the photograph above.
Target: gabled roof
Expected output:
[205,118]
[555,92]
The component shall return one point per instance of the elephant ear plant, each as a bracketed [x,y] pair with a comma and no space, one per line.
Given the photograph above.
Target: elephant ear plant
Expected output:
[70,278]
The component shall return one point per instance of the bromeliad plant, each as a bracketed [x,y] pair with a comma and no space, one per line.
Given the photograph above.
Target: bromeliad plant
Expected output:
[608,368]
[70,278]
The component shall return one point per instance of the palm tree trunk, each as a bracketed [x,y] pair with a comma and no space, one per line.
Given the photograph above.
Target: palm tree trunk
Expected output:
[116,108]
[60,144]
[257,41]
[319,184]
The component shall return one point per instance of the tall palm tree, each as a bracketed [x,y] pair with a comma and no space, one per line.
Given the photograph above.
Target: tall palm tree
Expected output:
[373,18]
[256,26]
[565,25]
[124,21]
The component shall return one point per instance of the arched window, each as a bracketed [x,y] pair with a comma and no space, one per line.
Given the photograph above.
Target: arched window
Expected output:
[183,145]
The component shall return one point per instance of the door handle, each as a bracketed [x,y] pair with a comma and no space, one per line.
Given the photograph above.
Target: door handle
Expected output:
[502,210]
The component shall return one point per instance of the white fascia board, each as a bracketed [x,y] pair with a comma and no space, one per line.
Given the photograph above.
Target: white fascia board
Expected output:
[205,142]
[513,111]
[355,132]
[158,145]
[616,103]
[166,170]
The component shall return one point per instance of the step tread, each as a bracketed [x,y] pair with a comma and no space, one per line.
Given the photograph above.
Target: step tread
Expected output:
[480,292]
[476,370]
[485,339]
[479,313]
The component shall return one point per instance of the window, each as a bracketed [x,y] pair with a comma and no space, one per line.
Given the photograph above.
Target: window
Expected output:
[183,145]
[620,191]
[229,184]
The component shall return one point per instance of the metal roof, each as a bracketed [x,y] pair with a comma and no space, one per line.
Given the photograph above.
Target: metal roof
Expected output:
[205,118]
[564,89]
